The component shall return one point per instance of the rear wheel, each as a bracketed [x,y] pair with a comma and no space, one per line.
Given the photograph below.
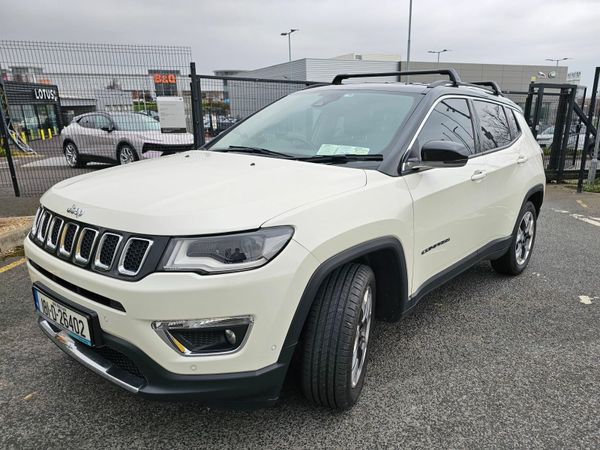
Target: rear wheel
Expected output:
[514,261]
[72,155]
[336,337]
[127,154]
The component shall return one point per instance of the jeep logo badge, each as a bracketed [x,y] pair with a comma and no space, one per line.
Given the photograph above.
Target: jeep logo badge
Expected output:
[76,211]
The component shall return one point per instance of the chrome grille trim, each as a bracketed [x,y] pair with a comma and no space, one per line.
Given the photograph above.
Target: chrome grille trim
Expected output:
[97,263]
[62,250]
[49,244]
[43,229]
[78,259]
[36,219]
[121,268]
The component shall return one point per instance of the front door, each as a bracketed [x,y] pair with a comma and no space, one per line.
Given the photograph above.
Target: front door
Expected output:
[447,202]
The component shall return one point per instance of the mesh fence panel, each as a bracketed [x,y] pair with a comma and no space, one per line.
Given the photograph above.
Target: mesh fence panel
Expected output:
[48,85]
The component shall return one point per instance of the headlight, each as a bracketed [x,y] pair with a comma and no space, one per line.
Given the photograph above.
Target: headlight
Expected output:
[226,253]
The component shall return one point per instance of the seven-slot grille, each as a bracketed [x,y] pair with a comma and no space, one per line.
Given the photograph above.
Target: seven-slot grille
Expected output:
[89,247]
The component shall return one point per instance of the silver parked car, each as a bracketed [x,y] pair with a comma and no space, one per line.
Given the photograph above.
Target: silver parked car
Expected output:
[118,138]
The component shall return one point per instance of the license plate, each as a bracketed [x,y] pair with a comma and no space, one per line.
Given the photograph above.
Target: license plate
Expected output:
[76,324]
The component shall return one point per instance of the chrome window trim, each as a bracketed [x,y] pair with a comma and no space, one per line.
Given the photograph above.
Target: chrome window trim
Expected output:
[61,248]
[42,232]
[49,245]
[97,263]
[121,269]
[465,96]
[78,259]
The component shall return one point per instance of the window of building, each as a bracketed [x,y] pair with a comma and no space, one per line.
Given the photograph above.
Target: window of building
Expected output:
[450,120]
[494,129]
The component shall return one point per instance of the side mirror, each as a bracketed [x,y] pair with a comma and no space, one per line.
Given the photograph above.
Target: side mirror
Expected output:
[107,129]
[444,154]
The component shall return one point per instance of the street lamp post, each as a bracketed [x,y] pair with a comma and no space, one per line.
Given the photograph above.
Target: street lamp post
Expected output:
[557,60]
[289,36]
[409,32]
[438,54]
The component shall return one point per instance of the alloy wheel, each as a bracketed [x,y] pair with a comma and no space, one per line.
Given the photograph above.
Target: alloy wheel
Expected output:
[126,155]
[525,234]
[361,340]
[71,155]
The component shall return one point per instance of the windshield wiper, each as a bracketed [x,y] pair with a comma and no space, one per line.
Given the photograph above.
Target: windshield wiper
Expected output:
[342,158]
[254,150]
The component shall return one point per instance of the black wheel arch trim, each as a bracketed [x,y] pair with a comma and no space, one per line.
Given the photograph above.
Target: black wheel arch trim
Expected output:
[325,268]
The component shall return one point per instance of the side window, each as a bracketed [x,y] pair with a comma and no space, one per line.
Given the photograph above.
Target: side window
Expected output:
[450,120]
[87,122]
[512,123]
[494,130]
[102,122]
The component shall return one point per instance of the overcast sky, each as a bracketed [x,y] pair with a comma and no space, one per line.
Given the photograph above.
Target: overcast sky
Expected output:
[245,34]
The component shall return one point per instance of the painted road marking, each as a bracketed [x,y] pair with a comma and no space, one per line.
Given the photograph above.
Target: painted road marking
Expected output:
[586,299]
[591,220]
[582,204]
[12,265]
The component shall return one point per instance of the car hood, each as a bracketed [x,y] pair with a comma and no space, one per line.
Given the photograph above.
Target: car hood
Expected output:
[198,192]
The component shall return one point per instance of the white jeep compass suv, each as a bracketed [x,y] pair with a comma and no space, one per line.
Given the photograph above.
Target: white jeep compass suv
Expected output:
[201,274]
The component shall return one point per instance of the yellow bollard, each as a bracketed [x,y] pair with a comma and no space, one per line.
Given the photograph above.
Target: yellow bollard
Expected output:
[23,137]
[31,136]
[49,133]
[55,131]
[42,135]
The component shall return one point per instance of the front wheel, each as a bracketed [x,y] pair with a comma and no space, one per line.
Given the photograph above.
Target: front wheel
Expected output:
[72,155]
[127,154]
[514,261]
[336,337]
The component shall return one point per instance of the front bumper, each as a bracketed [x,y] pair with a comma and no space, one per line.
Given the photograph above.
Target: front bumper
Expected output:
[270,294]
[129,368]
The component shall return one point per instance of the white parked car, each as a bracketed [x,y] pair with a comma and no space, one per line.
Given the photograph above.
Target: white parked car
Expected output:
[201,274]
[117,138]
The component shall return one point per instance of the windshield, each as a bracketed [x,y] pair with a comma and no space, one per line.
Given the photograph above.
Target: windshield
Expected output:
[135,122]
[324,122]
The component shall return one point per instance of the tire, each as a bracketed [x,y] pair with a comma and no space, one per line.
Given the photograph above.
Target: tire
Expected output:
[72,155]
[126,154]
[333,360]
[515,260]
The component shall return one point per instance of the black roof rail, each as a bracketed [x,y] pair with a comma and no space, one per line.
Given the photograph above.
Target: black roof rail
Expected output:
[491,84]
[451,73]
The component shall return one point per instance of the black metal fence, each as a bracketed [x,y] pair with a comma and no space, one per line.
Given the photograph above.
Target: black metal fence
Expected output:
[555,113]
[127,102]
[44,86]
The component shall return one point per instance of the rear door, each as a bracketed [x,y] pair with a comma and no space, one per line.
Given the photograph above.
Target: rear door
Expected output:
[447,202]
[500,153]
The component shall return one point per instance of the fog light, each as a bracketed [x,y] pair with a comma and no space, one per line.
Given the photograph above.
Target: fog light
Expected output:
[205,336]
[230,336]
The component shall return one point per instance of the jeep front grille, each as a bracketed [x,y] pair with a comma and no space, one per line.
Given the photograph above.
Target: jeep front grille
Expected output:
[85,245]
[67,239]
[133,256]
[54,233]
[107,249]
[95,248]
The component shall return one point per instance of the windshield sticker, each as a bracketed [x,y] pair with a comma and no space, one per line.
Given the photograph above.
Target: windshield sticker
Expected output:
[334,149]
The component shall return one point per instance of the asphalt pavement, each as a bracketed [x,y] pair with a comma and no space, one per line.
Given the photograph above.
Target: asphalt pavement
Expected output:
[486,361]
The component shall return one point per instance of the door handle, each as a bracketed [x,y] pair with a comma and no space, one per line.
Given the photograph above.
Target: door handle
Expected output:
[522,159]
[478,175]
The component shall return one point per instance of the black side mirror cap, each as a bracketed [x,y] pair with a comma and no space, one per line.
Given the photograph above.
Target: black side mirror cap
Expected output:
[444,154]
[107,129]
